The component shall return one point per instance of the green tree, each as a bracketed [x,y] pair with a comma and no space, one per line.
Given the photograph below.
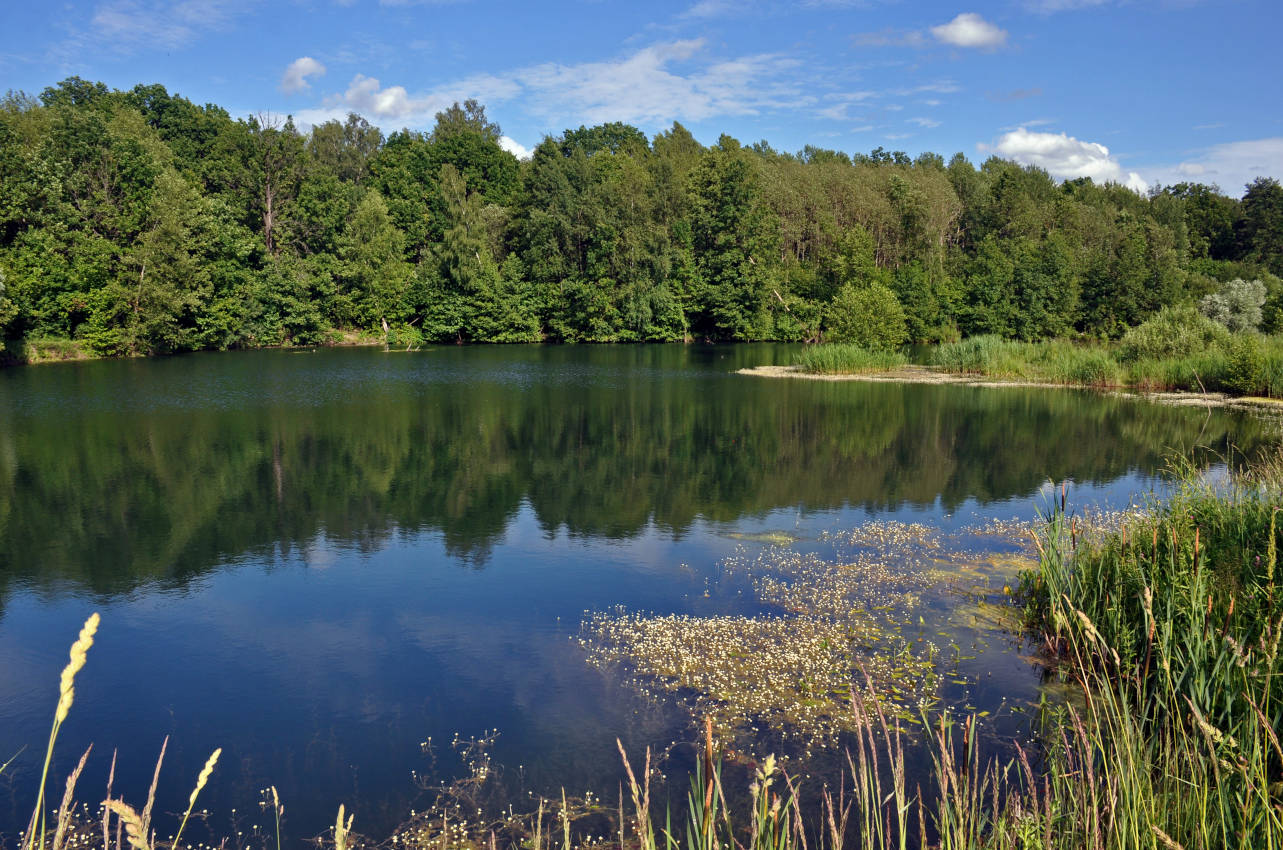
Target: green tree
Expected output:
[1261,232]
[375,277]
[869,316]
[735,242]
[155,305]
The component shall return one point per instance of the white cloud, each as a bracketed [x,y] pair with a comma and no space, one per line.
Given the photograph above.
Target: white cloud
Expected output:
[514,147]
[364,95]
[129,25]
[1231,165]
[938,87]
[665,82]
[927,123]
[647,88]
[840,105]
[1063,157]
[295,77]
[970,30]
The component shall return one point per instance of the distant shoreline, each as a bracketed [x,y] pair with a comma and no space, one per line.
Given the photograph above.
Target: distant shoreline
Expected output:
[927,375]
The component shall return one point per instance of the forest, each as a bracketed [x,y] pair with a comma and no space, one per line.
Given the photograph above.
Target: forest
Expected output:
[137,222]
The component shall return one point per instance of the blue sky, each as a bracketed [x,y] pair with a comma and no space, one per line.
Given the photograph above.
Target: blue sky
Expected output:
[1140,91]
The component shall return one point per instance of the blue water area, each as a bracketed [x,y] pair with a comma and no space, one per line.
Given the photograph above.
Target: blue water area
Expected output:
[321,561]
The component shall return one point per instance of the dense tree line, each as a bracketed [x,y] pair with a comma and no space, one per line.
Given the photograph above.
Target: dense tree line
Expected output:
[138,222]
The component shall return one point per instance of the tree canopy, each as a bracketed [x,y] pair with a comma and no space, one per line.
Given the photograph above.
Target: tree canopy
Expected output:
[138,222]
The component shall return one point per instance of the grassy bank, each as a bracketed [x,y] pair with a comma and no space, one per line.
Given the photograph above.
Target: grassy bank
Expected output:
[61,350]
[1163,630]
[1176,350]
[1244,366]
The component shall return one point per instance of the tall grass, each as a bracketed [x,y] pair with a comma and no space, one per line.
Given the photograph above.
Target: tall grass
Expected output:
[847,359]
[1246,365]
[1053,361]
[1172,624]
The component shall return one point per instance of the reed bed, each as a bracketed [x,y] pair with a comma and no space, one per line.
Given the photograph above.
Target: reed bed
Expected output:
[847,359]
[1244,365]
[1240,365]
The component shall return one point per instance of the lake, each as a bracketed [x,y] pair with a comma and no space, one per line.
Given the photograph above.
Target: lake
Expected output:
[323,561]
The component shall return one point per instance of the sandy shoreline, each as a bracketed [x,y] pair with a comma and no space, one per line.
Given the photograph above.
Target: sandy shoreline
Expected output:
[925,375]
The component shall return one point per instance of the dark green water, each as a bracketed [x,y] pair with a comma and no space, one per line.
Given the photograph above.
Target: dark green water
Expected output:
[318,561]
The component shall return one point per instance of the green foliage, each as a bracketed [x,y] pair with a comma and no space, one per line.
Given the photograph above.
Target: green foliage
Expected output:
[1173,332]
[847,359]
[1171,623]
[1245,373]
[1093,367]
[870,317]
[1262,229]
[137,222]
[734,242]
[987,354]
[1236,304]
[8,310]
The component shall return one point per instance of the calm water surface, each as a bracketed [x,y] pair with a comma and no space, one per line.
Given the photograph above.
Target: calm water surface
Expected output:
[319,561]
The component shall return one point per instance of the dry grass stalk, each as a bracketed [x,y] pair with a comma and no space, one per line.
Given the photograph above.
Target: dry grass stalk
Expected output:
[641,797]
[135,828]
[342,830]
[64,809]
[106,812]
[66,695]
[155,780]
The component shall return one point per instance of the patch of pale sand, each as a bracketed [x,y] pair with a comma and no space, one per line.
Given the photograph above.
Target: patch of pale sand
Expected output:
[927,375]
[900,375]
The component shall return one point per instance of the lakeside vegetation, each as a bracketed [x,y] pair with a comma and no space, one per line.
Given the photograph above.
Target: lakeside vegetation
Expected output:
[1165,627]
[137,222]
[1177,349]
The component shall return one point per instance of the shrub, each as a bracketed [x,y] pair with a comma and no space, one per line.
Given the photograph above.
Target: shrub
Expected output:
[870,316]
[1236,305]
[1172,332]
[1245,373]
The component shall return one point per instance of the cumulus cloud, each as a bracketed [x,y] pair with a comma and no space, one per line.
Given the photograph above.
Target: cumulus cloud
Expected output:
[514,147]
[1231,165]
[295,77]
[970,30]
[672,81]
[1063,156]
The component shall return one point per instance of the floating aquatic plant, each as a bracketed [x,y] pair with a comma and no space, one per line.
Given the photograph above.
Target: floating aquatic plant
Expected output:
[855,623]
